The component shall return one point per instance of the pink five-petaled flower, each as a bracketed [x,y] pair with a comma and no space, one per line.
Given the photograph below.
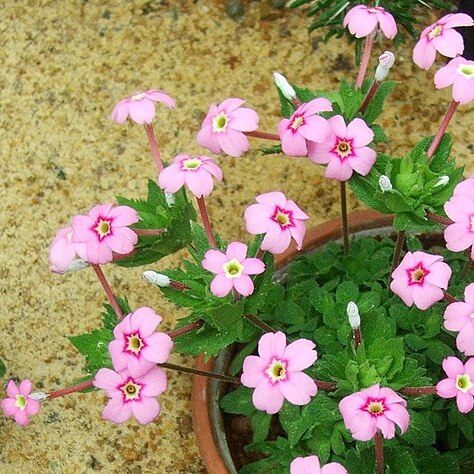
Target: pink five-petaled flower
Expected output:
[105,231]
[459,383]
[345,149]
[373,409]
[279,219]
[140,106]
[311,465]
[420,279]
[19,404]
[195,172]
[441,37]
[131,394]
[63,250]
[459,73]
[233,269]
[224,126]
[459,316]
[137,347]
[304,125]
[363,21]
[277,372]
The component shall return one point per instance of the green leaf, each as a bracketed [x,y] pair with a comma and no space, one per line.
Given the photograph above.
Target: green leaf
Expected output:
[400,461]
[437,351]
[420,431]
[347,291]
[238,360]
[260,425]
[238,402]
[3,369]
[375,106]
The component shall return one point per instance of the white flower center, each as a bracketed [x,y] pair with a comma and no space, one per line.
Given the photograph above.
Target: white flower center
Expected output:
[436,31]
[463,383]
[103,227]
[131,390]
[233,269]
[134,343]
[20,402]
[220,122]
[139,96]
[191,164]
[466,70]
[343,148]
[276,371]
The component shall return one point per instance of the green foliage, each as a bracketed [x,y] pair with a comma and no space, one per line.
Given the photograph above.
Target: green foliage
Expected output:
[3,369]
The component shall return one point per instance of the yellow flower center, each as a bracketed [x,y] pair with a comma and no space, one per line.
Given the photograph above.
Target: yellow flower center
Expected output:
[192,163]
[20,402]
[343,149]
[103,228]
[282,219]
[375,408]
[466,70]
[436,31]
[463,383]
[135,344]
[276,371]
[219,123]
[233,269]
[297,122]
[131,390]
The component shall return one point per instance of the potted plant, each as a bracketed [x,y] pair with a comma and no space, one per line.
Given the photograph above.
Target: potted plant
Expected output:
[355,348]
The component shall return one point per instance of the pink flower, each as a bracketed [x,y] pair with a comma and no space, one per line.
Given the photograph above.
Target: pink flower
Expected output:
[460,208]
[459,73]
[224,126]
[137,347]
[140,106]
[63,250]
[420,279]
[19,404]
[277,372]
[194,171]
[363,21]
[373,409]
[104,231]
[304,125]
[233,269]
[441,37]
[345,149]
[131,394]
[311,465]
[459,316]
[459,383]
[279,219]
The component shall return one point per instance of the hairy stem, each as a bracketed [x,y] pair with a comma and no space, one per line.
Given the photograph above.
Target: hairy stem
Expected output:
[264,135]
[396,254]
[155,151]
[370,95]
[204,373]
[75,388]
[379,452]
[149,231]
[439,219]
[206,222]
[108,290]
[344,224]
[364,62]
[442,128]
[417,391]
[449,298]
[185,329]
[259,323]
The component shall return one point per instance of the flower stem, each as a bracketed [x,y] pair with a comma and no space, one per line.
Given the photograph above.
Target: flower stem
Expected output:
[357,337]
[119,256]
[417,391]
[259,323]
[149,231]
[328,386]
[185,329]
[108,290]
[379,452]
[442,128]
[75,388]
[467,266]
[396,254]
[155,151]
[205,373]
[364,62]
[449,298]
[369,96]
[206,222]
[264,135]
[439,219]
[344,224]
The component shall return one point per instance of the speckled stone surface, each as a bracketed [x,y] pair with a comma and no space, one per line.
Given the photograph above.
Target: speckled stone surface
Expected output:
[64,65]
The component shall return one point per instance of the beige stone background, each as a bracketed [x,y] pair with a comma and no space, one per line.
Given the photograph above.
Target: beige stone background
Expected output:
[64,65]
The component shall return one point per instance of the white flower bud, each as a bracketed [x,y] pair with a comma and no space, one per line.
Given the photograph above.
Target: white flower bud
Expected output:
[170,199]
[386,61]
[443,180]
[385,183]
[156,278]
[353,314]
[284,86]
[38,396]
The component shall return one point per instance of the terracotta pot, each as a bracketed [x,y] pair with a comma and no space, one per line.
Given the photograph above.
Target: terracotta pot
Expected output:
[206,393]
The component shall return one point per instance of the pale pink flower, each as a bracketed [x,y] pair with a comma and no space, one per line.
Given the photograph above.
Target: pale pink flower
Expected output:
[63,250]
[420,279]
[131,394]
[459,383]
[194,171]
[441,37]
[459,317]
[311,465]
[304,125]
[460,209]
[459,73]
[373,409]
[233,269]
[277,372]
[345,150]
[137,347]
[105,231]
[279,219]
[141,106]
[224,126]
[363,21]
[19,404]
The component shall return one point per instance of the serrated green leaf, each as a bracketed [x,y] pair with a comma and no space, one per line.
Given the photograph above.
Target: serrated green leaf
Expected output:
[420,431]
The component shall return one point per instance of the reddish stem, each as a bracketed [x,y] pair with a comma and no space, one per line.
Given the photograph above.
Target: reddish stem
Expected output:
[149,231]
[379,452]
[439,219]
[259,323]
[370,95]
[417,391]
[155,151]
[185,329]
[75,388]
[357,337]
[205,373]
[206,222]
[264,135]
[119,256]
[344,221]
[108,290]
[442,128]
[364,62]
[449,298]
[329,386]
[176,285]
[396,254]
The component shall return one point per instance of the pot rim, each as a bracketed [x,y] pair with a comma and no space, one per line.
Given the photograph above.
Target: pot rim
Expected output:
[201,393]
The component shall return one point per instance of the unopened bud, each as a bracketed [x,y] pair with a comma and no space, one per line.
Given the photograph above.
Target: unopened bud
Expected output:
[157,278]
[353,314]
[285,87]
[443,180]
[386,61]
[38,396]
[385,183]
[170,199]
